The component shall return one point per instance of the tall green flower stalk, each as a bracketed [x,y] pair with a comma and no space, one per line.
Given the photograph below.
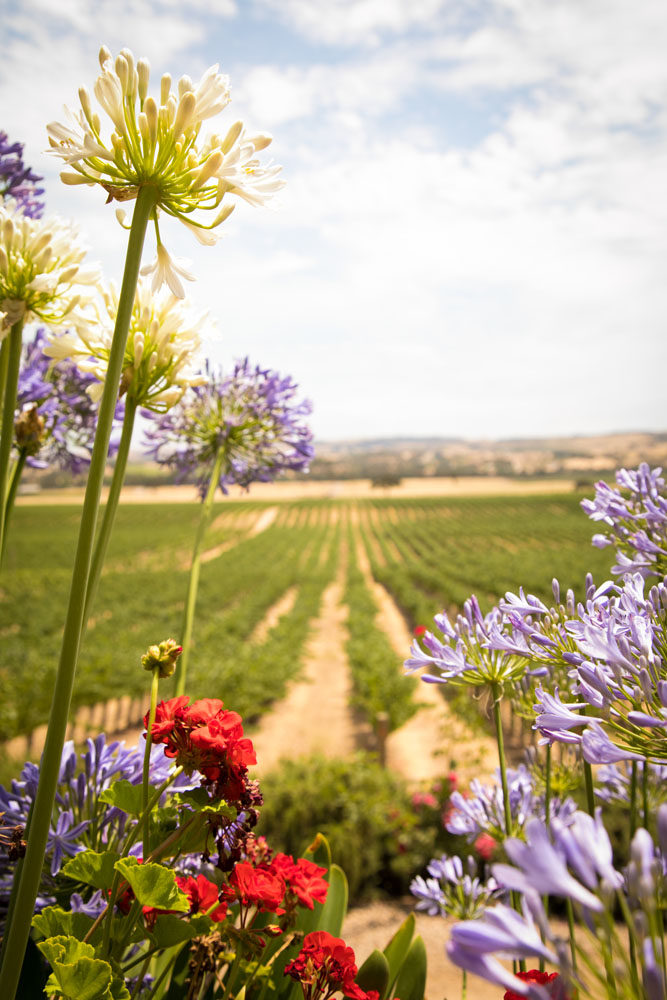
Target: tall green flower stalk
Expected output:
[11,366]
[16,939]
[195,566]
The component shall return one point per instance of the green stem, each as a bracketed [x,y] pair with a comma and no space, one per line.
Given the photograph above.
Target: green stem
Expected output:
[14,481]
[547,813]
[193,582]
[645,795]
[497,696]
[111,507]
[17,935]
[13,362]
[570,923]
[147,762]
[4,360]
[633,799]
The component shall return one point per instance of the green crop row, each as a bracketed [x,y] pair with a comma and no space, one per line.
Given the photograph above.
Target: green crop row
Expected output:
[377,677]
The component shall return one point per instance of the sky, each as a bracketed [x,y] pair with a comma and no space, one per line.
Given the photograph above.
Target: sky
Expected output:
[472,238]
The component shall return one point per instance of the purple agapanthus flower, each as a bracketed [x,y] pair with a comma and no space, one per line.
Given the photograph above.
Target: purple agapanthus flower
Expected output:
[55,417]
[635,513]
[451,890]
[482,809]
[251,415]
[18,181]
[81,780]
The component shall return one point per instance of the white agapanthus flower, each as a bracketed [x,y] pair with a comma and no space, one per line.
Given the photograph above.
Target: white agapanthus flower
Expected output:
[158,145]
[163,340]
[42,275]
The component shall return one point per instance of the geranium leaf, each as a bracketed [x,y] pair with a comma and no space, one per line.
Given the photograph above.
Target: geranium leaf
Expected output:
[170,930]
[153,885]
[77,974]
[54,921]
[92,868]
[124,795]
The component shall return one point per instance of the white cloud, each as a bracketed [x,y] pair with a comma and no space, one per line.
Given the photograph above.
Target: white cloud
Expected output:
[352,22]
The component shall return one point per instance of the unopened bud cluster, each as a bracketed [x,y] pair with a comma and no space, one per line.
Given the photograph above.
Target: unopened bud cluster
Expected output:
[162,657]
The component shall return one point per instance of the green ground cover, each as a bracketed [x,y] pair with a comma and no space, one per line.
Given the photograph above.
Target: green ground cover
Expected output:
[429,553]
[141,598]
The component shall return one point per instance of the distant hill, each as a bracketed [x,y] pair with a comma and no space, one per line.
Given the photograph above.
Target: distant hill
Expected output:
[387,459]
[581,457]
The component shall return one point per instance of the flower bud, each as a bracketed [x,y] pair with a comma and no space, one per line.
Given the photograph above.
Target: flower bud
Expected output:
[162,657]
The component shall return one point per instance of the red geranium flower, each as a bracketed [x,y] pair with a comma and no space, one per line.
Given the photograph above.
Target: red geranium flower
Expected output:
[256,886]
[325,965]
[205,737]
[202,895]
[303,878]
[550,979]
[420,631]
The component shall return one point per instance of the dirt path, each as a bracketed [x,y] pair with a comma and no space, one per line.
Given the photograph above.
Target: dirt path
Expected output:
[434,738]
[315,716]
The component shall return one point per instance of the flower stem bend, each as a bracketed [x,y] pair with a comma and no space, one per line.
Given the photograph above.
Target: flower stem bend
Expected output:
[17,935]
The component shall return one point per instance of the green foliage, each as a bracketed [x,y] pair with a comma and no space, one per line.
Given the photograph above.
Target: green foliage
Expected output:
[364,811]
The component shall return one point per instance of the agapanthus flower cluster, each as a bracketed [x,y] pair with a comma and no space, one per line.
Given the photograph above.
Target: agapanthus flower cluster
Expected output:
[324,966]
[207,738]
[17,181]
[481,809]
[449,890]
[249,418]
[42,271]
[574,862]
[157,144]
[635,514]
[55,417]
[464,655]
[163,339]
[617,674]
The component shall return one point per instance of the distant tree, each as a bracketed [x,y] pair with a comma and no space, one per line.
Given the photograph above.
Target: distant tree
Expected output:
[385,480]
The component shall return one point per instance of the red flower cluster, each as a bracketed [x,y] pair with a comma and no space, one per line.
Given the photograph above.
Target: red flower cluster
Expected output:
[205,737]
[325,965]
[201,894]
[420,630]
[278,886]
[550,979]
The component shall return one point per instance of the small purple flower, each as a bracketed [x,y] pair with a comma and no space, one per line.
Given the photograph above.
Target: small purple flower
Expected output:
[250,415]
[17,181]
[63,840]
[55,418]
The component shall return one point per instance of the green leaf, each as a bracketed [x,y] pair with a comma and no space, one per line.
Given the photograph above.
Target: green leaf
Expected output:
[153,885]
[94,869]
[335,907]
[54,921]
[119,990]
[411,982]
[396,951]
[77,974]
[170,930]
[319,852]
[124,795]
[374,973]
